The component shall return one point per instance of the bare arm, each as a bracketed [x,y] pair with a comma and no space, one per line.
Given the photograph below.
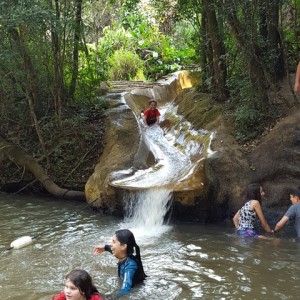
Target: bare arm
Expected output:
[236,219]
[281,223]
[98,249]
[256,206]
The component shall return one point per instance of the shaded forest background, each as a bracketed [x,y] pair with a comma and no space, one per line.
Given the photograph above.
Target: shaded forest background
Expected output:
[55,55]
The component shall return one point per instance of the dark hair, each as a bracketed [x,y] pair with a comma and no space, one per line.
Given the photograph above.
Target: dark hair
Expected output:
[295,191]
[83,281]
[252,192]
[152,100]
[125,236]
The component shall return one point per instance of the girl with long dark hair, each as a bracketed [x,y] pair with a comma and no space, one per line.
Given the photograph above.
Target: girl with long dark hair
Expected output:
[126,250]
[245,217]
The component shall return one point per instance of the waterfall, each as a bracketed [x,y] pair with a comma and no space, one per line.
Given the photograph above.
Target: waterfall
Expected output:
[145,212]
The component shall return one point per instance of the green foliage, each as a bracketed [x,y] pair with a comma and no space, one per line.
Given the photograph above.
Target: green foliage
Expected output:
[88,78]
[126,65]
[183,37]
[156,50]
[160,55]
[248,123]
[250,118]
[112,40]
[136,48]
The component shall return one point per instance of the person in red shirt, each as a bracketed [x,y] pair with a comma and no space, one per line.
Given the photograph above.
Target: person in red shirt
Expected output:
[79,286]
[151,114]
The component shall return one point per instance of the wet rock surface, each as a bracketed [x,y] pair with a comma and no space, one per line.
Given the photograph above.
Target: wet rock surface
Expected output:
[272,160]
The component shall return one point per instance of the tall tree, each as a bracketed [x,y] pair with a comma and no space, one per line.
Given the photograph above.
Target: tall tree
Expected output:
[251,53]
[76,45]
[218,53]
[57,61]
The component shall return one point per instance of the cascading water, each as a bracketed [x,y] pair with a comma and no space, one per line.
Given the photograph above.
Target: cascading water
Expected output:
[148,192]
[146,212]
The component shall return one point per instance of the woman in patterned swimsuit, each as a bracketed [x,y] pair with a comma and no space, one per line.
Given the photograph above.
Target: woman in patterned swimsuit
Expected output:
[245,217]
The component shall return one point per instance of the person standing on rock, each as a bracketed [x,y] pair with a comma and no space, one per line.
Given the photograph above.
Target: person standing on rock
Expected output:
[297,79]
[151,114]
[292,213]
[245,217]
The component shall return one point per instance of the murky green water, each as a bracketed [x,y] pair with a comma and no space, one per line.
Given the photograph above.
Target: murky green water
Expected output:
[184,261]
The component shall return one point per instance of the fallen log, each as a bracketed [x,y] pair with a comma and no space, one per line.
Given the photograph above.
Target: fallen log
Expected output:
[16,155]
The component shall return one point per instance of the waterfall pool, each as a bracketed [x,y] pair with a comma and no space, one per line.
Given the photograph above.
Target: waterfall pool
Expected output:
[182,261]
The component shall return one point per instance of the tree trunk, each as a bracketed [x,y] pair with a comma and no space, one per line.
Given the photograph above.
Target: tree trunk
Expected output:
[32,93]
[77,35]
[31,77]
[205,54]
[37,129]
[218,62]
[254,62]
[277,68]
[58,68]
[20,158]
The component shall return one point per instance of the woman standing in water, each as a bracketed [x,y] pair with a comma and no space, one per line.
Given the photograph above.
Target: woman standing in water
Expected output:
[130,267]
[245,217]
[79,286]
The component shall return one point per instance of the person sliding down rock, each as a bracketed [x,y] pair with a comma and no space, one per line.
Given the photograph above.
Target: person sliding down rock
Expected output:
[151,114]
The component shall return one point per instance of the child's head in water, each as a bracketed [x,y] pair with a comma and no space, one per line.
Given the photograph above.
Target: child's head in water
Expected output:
[124,245]
[79,285]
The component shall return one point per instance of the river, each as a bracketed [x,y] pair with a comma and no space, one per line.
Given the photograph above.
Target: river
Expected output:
[182,261]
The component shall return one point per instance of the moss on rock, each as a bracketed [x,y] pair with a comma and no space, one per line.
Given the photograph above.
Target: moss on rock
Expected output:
[198,108]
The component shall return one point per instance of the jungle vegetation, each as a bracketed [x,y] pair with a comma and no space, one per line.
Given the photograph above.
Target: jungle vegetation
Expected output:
[55,53]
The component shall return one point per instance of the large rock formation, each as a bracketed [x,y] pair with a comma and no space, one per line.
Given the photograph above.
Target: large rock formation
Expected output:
[124,148]
[221,178]
[273,160]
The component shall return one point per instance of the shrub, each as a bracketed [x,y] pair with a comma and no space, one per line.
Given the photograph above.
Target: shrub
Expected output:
[249,123]
[126,65]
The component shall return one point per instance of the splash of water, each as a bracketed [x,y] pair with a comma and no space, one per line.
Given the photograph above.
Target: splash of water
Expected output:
[146,212]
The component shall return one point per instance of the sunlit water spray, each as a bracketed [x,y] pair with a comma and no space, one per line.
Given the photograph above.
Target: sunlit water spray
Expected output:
[146,212]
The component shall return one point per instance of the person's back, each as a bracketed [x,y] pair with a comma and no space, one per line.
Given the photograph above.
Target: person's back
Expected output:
[244,218]
[247,216]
